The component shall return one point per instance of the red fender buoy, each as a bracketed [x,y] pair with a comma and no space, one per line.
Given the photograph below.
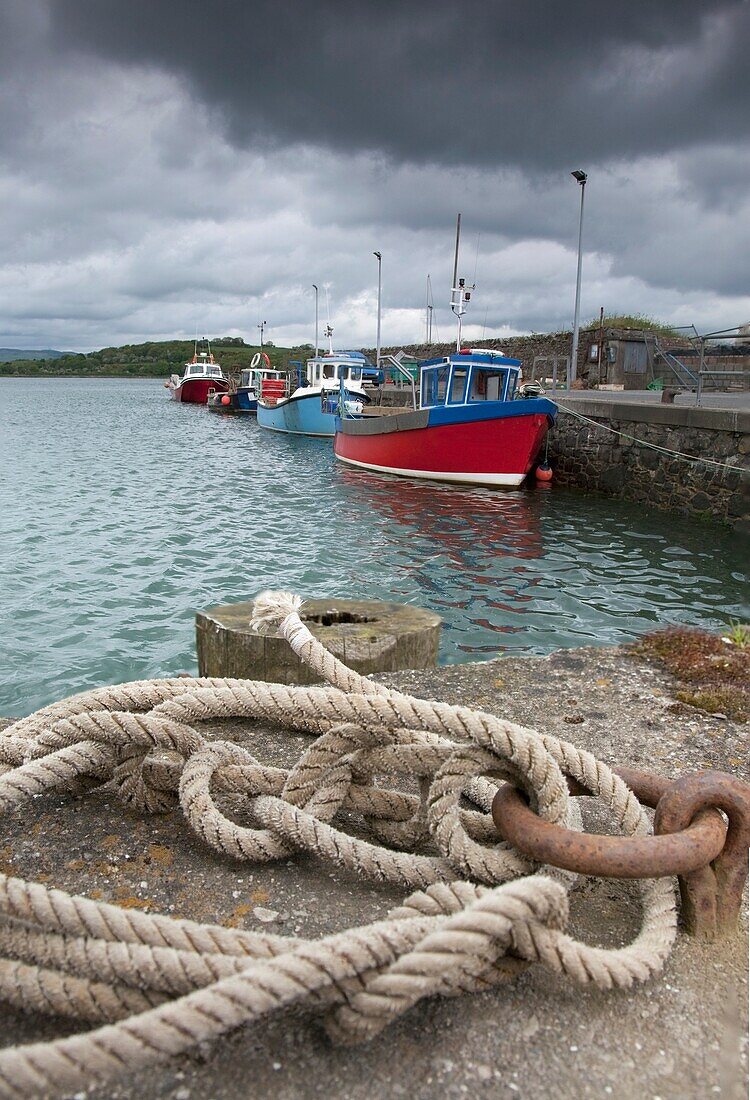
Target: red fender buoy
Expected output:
[226,399]
[544,472]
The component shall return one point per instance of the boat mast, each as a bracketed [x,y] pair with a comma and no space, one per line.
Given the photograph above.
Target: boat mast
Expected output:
[328,330]
[428,311]
[316,319]
[460,293]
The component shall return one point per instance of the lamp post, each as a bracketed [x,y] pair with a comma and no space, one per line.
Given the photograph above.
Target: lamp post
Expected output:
[581,177]
[262,327]
[377,343]
[316,319]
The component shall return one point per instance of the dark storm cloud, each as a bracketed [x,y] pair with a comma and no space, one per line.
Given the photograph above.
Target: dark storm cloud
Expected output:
[539,85]
[164,165]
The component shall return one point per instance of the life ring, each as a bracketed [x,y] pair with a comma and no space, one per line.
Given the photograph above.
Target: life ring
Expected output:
[255,360]
[266,360]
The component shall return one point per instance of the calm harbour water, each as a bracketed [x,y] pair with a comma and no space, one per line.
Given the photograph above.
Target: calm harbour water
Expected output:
[122,513]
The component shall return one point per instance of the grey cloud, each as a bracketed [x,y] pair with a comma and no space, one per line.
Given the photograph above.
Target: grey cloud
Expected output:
[541,84]
[158,167]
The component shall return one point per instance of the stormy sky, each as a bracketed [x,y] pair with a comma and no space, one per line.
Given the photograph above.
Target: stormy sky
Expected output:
[173,166]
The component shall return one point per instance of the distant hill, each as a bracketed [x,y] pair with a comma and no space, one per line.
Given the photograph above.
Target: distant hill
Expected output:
[156,359]
[8,354]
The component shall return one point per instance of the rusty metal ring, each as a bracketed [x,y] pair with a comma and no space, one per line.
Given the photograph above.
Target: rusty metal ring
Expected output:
[608,856]
[711,895]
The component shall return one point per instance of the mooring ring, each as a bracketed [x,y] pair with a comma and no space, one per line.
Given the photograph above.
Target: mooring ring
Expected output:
[608,856]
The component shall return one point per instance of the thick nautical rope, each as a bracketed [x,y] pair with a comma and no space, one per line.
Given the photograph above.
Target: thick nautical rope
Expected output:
[158,986]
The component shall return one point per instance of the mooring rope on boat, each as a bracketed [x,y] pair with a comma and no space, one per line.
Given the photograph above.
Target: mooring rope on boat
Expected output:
[159,986]
[644,443]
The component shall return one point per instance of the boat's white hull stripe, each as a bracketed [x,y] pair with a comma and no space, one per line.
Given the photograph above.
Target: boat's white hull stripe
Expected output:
[440,475]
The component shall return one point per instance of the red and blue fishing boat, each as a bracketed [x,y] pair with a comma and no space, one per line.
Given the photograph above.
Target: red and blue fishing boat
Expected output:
[475,422]
[473,425]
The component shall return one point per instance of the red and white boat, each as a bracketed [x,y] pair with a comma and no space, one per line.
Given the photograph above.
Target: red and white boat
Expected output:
[201,377]
[473,425]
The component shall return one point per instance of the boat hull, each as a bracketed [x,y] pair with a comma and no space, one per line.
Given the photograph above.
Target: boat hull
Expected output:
[302,415]
[247,401]
[239,402]
[471,446]
[195,391]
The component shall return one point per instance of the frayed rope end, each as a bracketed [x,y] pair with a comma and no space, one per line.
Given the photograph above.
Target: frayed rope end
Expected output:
[271,608]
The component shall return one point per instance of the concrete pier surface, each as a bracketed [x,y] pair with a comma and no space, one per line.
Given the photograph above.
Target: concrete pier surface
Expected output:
[680,1036]
[738,400]
[391,397]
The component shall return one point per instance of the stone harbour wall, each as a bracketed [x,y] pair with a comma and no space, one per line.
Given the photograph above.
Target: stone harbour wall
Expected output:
[588,457]
[525,348]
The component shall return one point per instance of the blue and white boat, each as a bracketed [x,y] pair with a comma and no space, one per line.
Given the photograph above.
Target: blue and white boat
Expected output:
[311,409]
[251,384]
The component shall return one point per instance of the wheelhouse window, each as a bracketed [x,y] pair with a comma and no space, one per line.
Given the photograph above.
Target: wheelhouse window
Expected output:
[487,385]
[329,370]
[434,385]
[459,379]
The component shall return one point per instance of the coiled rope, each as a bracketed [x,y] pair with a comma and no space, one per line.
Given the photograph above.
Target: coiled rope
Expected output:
[156,986]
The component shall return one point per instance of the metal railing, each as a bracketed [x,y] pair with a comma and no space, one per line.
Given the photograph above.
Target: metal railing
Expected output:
[681,374]
[393,361]
[540,360]
[704,372]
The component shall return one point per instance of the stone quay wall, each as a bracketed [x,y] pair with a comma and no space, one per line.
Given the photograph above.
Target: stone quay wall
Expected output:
[592,458]
[549,344]
[525,348]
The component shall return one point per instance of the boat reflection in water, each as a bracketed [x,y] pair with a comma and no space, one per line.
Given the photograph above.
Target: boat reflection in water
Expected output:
[470,542]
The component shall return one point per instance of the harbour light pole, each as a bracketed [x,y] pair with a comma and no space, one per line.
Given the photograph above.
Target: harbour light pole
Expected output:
[316,319]
[377,342]
[262,327]
[581,177]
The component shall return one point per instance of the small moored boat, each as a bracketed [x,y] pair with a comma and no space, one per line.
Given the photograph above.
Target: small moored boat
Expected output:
[474,422]
[252,380]
[473,425]
[200,376]
[311,409]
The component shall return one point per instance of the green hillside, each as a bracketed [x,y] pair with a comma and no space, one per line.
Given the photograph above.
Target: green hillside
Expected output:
[151,360]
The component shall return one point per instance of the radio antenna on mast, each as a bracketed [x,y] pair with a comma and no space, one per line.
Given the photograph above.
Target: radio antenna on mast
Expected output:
[429,306]
[328,330]
[460,292]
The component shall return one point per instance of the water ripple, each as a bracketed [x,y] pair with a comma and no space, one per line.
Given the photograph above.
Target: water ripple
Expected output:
[123,514]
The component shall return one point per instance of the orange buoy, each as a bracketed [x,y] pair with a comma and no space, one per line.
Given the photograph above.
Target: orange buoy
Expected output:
[226,399]
[544,472]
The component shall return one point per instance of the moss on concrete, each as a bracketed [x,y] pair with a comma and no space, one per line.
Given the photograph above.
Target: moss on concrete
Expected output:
[713,671]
